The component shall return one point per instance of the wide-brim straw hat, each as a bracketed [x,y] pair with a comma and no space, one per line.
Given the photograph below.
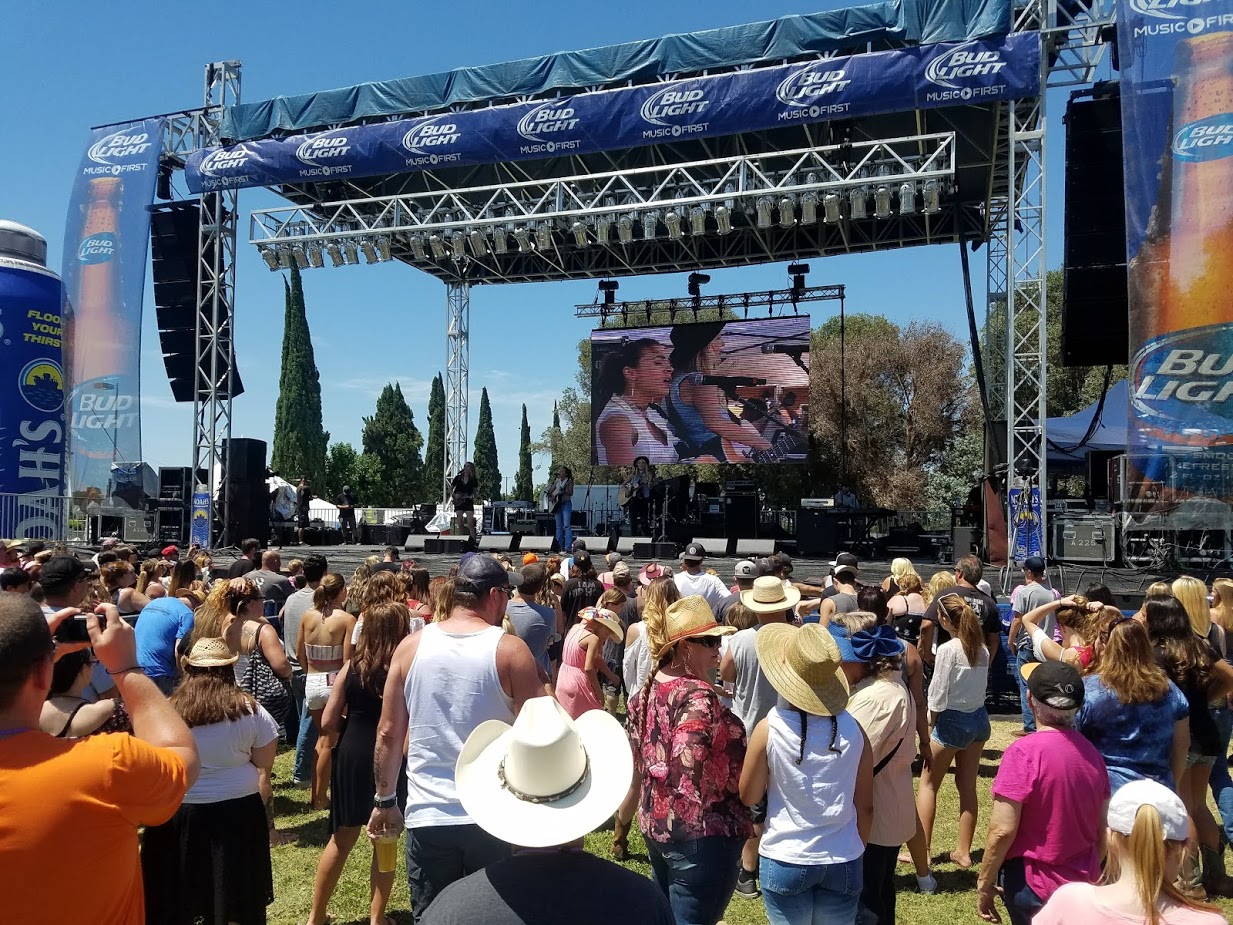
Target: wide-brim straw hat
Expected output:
[605,618]
[212,653]
[803,665]
[689,618]
[546,780]
[770,595]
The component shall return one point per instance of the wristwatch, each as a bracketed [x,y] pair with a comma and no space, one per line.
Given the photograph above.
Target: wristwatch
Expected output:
[380,802]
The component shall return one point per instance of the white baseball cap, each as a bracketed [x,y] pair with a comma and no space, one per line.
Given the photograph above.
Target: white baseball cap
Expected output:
[1128,800]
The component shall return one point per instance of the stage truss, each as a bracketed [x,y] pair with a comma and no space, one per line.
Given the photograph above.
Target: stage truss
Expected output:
[687,212]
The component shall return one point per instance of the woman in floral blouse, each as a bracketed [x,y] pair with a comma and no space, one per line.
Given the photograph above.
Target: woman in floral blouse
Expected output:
[688,752]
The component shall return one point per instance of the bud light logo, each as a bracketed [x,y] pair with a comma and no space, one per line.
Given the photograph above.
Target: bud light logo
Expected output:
[431,136]
[962,63]
[808,85]
[119,146]
[41,384]
[552,118]
[223,161]
[1183,384]
[1207,139]
[324,147]
[1165,9]
[674,105]
[98,248]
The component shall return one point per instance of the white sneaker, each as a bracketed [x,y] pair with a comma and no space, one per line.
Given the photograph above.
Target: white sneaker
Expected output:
[927,884]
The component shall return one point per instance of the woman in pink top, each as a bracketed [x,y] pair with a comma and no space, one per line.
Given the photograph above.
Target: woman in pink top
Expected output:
[582,660]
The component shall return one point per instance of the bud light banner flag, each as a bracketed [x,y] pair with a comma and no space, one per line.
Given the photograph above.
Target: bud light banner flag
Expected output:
[1025,524]
[1177,121]
[927,77]
[105,246]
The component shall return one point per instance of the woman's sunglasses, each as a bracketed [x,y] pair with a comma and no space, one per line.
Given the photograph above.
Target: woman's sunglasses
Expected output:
[711,642]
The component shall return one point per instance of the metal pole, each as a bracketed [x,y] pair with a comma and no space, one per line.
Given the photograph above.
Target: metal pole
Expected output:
[457,377]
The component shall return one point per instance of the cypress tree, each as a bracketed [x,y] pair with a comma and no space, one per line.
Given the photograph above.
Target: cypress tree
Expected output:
[554,443]
[524,489]
[392,445]
[300,440]
[486,469]
[434,454]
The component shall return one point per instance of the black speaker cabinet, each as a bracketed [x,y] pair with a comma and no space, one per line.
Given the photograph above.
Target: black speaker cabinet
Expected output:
[741,516]
[817,532]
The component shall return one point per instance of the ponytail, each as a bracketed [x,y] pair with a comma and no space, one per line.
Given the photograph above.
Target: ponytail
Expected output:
[970,634]
[327,592]
[1147,853]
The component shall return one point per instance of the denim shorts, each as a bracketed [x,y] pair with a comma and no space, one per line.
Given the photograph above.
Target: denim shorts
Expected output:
[958,730]
[1194,758]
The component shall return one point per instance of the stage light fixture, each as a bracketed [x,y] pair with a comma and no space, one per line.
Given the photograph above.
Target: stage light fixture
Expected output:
[579,229]
[335,252]
[417,247]
[932,197]
[315,258]
[603,228]
[697,220]
[301,258]
[543,236]
[787,212]
[500,240]
[881,201]
[458,244]
[522,234]
[609,288]
[351,252]
[858,203]
[831,208]
[385,247]
[764,206]
[672,221]
[625,228]
[437,245]
[650,221]
[723,219]
[809,208]
[907,198]
[479,242]
[270,256]
[370,250]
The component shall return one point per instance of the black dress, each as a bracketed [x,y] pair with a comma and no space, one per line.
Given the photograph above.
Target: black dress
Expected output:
[351,779]
[466,489]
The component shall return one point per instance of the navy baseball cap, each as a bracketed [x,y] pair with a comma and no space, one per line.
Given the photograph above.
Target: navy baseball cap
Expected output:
[483,573]
[694,552]
[1034,564]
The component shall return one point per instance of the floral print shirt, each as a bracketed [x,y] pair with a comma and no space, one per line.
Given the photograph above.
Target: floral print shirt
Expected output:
[690,760]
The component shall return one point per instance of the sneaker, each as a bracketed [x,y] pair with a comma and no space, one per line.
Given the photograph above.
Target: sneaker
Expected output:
[1020,733]
[300,784]
[747,884]
[927,884]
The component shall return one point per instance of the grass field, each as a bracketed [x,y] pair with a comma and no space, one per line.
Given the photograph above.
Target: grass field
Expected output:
[295,864]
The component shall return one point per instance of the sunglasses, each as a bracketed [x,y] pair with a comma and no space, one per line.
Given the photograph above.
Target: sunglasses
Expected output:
[711,642]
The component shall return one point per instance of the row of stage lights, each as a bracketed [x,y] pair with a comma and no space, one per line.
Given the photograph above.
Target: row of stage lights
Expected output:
[765,212]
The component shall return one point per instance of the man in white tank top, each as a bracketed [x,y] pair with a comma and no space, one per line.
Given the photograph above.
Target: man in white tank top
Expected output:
[443,682]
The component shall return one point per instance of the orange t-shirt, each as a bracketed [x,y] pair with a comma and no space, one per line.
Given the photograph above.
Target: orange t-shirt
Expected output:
[69,812]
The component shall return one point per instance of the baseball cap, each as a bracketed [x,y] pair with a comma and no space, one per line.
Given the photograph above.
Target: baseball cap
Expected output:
[845,559]
[621,570]
[483,573]
[170,550]
[581,558]
[783,557]
[529,558]
[1054,683]
[746,569]
[766,566]
[1131,797]
[578,544]
[110,542]
[61,571]
[613,558]
[694,552]
[1034,564]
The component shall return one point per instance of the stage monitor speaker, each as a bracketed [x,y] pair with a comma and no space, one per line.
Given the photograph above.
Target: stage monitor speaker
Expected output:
[414,543]
[625,544]
[1095,309]
[175,483]
[715,546]
[496,542]
[535,543]
[445,545]
[964,541]
[751,549]
[246,500]
[174,229]
[817,532]
[741,515]
[663,552]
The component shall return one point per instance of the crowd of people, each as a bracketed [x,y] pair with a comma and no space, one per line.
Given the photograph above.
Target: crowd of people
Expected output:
[763,733]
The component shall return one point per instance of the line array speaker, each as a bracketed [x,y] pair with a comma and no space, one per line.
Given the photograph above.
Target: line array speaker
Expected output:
[246,500]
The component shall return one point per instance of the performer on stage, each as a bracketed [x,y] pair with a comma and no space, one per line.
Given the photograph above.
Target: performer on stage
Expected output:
[699,413]
[561,498]
[303,498]
[462,492]
[639,504]
[346,502]
[629,425]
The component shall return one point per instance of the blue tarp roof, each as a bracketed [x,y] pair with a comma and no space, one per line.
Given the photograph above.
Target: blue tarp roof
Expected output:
[893,21]
[1064,434]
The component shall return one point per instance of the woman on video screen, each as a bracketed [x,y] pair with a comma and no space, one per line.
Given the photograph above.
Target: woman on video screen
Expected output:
[630,381]
[699,412]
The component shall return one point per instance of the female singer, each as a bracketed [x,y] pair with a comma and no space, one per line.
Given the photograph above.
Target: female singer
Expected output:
[639,503]
[561,497]
[629,425]
[462,492]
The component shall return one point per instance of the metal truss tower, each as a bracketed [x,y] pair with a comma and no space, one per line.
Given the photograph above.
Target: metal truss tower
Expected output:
[457,379]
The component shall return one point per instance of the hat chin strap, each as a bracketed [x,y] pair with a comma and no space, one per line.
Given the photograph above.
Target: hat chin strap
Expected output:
[549,798]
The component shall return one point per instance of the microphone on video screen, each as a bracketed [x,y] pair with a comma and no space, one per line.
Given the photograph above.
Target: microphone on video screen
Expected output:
[790,349]
[725,382]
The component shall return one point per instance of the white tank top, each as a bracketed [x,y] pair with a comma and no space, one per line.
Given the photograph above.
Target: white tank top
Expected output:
[452,687]
[811,812]
[646,444]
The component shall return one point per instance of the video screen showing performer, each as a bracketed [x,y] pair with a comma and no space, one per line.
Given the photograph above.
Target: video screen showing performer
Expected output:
[713,392]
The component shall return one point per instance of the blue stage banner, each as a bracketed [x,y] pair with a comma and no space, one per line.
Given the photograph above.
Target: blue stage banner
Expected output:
[926,77]
[200,531]
[1025,523]
[106,240]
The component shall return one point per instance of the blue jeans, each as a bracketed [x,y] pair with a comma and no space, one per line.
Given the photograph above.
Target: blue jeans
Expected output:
[1220,783]
[819,894]
[1024,658]
[698,876]
[1021,900]
[565,529]
[438,855]
[306,738]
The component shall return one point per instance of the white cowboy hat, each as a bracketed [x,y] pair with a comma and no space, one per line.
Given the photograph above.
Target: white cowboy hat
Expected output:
[770,595]
[547,780]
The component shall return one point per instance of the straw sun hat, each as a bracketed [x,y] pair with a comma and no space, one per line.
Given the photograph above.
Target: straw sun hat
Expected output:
[803,665]
[687,618]
[770,595]
[211,653]
[605,618]
[546,780]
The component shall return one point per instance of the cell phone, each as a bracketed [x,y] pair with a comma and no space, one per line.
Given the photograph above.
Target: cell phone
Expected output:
[74,628]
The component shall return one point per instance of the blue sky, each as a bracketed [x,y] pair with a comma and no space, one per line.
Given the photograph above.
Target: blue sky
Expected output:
[75,64]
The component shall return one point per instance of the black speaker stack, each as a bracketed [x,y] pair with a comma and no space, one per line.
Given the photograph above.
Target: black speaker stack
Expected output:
[246,500]
[741,509]
[173,508]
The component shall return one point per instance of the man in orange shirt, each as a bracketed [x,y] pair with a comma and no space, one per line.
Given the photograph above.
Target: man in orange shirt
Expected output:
[72,806]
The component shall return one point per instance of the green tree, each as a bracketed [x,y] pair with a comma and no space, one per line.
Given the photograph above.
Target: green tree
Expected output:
[487,471]
[340,468]
[524,487]
[392,446]
[551,441]
[300,440]
[434,454]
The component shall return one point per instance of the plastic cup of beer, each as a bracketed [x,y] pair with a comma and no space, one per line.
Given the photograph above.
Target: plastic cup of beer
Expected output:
[386,847]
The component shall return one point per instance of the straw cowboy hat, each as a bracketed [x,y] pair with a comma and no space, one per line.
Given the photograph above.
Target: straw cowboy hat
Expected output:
[606,618]
[211,653]
[689,617]
[770,595]
[802,664]
[546,780]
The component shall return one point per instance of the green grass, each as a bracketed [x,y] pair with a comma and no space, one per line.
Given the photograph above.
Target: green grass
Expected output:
[296,864]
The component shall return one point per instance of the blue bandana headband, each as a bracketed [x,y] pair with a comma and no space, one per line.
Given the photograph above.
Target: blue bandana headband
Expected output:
[865,646]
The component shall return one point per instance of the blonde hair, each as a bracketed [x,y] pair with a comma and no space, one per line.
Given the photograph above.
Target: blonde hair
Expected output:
[1153,860]
[1162,588]
[1193,595]
[660,593]
[740,616]
[970,634]
[612,599]
[937,584]
[383,588]
[149,572]
[901,568]
[328,592]
[1222,588]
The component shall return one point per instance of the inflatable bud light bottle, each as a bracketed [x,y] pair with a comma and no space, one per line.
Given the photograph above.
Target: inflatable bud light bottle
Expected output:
[105,349]
[32,431]
[1182,279]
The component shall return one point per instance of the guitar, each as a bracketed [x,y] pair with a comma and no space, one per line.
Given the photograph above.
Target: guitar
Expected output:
[556,494]
[629,490]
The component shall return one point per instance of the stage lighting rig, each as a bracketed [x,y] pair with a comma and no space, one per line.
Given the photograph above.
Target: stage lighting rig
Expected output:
[625,228]
[437,245]
[697,220]
[696,282]
[798,272]
[417,247]
[609,288]
[270,256]
[579,229]
[315,258]
[301,258]
[479,242]
[351,251]
[932,198]
[787,212]
[335,252]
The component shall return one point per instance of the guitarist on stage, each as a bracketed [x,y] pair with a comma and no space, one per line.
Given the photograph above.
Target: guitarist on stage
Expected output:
[561,499]
[637,492]
[462,493]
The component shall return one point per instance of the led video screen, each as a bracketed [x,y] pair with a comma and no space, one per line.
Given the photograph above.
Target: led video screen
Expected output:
[710,392]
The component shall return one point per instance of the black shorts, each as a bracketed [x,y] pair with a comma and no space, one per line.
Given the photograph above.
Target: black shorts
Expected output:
[301,519]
